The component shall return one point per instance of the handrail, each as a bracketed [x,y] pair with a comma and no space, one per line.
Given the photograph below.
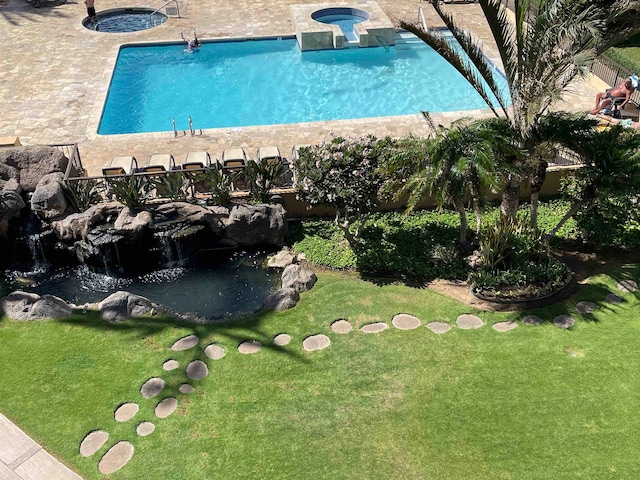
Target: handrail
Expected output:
[422,19]
[164,5]
[173,122]
[191,126]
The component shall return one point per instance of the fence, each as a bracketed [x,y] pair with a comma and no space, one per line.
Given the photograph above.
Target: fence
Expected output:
[70,150]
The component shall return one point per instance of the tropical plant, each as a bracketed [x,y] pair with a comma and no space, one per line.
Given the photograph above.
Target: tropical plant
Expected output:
[218,182]
[170,185]
[547,45]
[133,191]
[263,175]
[81,194]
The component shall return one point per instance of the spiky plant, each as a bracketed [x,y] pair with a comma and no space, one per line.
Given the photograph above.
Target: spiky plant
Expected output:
[81,194]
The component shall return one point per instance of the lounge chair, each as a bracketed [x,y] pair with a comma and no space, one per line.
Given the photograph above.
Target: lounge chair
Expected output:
[235,160]
[295,154]
[272,155]
[196,160]
[158,163]
[121,166]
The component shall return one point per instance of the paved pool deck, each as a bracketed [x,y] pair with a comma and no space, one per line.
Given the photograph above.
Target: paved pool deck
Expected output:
[54,76]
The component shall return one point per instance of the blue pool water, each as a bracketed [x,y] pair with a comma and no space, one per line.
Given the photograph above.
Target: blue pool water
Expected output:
[265,82]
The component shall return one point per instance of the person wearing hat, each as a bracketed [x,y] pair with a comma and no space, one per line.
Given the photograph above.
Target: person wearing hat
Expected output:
[625,89]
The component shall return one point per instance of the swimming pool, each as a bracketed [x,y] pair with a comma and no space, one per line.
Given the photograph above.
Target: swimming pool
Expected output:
[266,82]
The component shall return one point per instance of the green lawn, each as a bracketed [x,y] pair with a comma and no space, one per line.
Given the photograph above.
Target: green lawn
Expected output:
[534,403]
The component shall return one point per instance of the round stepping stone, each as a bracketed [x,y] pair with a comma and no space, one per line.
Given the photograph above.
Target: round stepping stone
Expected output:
[125,412]
[170,365]
[166,407]
[93,442]
[374,327]
[152,387]
[316,342]
[145,428]
[627,286]
[585,307]
[564,321]
[186,388]
[185,343]
[116,458]
[214,352]
[532,320]
[504,326]
[282,339]
[613,298]
[341,326]
[249,347]
[438,327]
[197,370]
[403,321]
[467,322]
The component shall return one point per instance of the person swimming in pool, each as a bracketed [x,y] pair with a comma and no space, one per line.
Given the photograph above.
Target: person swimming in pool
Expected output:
[192,44]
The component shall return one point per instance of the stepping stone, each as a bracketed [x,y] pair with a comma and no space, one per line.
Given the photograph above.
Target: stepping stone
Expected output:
[145,428]
[197,370]
[374,327]
[613,298]
[249,347]
[467,322]
[585,307]
[93,442]
[170,365]
[341,326]
[282,339]
[186,388]
[404,321]
[627,286]
[125,412]
[185,343]
[152,387]
[116,458]
[504,326]
[166,407]
[316,342]
[532,320]
[564,321]
[438,327]
[214,352]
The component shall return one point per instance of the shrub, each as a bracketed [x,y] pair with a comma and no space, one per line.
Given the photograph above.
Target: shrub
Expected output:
[218,183]
[133,191]
[170,185]
[81,194]
[262,177]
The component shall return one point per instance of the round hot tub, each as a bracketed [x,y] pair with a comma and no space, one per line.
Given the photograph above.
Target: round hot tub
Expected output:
[125,20]
[344,17]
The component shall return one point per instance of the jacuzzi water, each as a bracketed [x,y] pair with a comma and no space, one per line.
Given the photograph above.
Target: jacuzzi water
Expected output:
[345,22]
[126,20]
[215,288]
[265,82]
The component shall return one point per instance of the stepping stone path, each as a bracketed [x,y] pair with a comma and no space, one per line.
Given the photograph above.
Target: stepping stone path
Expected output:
[627,286]
[467,322]
[125,412]
[249,347]
[170,365]
[504,326]
[93,442]
[166,407]
[185,343]
[532,320]
[374,327]
[145,428]
[404,321]
[116,458]
[316,342]
[214,352]
[585,307]
[439,327]
[564,321]
[186,388]
[341,326]
[197,370]
[613,298]
[282,339]
[152,387]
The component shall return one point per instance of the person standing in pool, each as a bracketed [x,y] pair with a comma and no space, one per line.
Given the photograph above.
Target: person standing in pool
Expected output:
[91,10]
[193,44]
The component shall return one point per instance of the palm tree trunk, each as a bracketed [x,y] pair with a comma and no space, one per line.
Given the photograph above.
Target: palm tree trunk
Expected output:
[510,197]
[459,206]
[572,211]
[535,198]
[478,213]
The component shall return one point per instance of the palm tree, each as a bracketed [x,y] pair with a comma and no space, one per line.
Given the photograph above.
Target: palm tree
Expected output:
[541,52]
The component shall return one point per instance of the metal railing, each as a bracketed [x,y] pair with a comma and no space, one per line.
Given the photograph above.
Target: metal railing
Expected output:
[70,150]
[421,19]
[164,5]
[612,73]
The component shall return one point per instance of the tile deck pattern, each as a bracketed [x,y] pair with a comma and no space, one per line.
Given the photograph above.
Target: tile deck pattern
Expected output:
[54,76]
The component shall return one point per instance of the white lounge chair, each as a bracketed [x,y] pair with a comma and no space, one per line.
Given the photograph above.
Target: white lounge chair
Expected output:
[124,165]
[235,160]
[196,160]
[161,162]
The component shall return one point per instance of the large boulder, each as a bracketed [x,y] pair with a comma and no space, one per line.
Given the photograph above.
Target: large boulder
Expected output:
[281,259]
[122,306]
[298,277]
[131,224]
[211,217]
[282,299]
[256,224]
[29,164]
[48,200]
[24,306]
[76,226]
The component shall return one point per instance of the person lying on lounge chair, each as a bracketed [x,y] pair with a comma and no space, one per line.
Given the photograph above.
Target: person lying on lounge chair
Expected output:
[625,89]
[626,122]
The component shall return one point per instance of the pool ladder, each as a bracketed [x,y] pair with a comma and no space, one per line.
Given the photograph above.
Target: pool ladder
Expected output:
[177,14]
[192,130]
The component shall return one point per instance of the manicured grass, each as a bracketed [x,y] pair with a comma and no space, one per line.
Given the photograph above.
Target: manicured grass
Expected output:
[536,402]
[627,53]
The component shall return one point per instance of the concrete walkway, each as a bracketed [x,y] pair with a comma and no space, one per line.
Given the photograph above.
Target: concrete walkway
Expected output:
[23,459]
